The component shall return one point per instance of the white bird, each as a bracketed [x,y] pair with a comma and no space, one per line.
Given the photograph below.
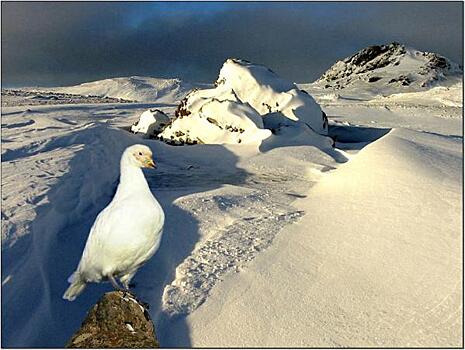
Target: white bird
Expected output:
[126,233]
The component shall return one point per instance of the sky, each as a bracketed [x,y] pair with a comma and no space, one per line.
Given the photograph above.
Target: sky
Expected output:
[66,43]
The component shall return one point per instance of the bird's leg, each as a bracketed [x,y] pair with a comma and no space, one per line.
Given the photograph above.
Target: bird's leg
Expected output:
[114,283]
[126,280]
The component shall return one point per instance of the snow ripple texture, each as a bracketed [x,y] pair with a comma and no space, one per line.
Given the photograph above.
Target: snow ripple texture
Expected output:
[255,219]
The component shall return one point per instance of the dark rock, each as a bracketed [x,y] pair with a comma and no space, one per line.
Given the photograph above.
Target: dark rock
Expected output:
[402,79]
[213,121]
[118,320]
[373,79]
[182,110]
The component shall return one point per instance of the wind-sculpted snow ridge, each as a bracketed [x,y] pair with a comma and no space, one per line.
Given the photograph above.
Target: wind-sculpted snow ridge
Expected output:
[239,221]
[135,88]
[387,69]
[229,249]
[238,109]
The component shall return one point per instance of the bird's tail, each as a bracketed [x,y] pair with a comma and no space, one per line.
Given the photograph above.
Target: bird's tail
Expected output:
[76,287]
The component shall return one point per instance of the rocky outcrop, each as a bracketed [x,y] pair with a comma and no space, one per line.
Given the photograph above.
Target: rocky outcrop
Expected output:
[233,112]
[117,320]
[368,59]
[389,64]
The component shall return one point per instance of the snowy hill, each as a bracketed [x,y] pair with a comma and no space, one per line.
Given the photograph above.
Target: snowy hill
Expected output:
[387,69]
[135,88]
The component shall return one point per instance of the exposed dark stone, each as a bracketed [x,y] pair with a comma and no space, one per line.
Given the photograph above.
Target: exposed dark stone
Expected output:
[182,109]
[402,79]
[373,79]
[325,120]
[213,121]
[438,62]
[118,320]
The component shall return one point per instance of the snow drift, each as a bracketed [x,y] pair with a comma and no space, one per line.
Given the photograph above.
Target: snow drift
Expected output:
[247,98]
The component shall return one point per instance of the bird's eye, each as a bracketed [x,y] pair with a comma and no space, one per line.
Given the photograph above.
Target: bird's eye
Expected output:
[140,153]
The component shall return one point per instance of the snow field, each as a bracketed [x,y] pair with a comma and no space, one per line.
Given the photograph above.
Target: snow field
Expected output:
[375,262]
[282,240]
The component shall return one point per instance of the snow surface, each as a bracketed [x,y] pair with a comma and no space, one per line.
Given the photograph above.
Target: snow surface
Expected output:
[376,262]
[282,243]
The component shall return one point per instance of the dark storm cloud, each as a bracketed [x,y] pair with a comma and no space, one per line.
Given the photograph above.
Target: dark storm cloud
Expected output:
[65,43]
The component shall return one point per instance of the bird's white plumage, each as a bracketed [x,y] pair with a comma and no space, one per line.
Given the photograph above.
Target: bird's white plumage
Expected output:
[126,233]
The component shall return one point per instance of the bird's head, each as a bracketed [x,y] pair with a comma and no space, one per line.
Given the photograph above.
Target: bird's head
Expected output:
[140,156]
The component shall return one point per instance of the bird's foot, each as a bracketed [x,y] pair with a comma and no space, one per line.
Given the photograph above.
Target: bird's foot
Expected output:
[127,292]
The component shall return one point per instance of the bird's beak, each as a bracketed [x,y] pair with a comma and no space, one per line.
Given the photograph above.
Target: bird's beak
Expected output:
[149,163]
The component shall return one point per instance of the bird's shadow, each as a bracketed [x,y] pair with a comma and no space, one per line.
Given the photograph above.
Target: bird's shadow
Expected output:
[36,267]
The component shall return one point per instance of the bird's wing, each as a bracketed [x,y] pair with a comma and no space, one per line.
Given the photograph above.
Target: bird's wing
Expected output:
[108,224]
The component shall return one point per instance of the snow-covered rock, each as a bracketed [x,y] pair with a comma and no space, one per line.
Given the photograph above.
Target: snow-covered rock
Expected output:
[135,88]
[218,122]
[267,92]
[151,122]
[234,111]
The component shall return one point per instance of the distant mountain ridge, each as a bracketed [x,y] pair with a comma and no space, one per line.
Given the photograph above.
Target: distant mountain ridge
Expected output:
[391,66]
[135,88]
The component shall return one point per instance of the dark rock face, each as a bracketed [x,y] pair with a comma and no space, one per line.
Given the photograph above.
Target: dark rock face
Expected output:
[435,62]
[376,56]
[118,320]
